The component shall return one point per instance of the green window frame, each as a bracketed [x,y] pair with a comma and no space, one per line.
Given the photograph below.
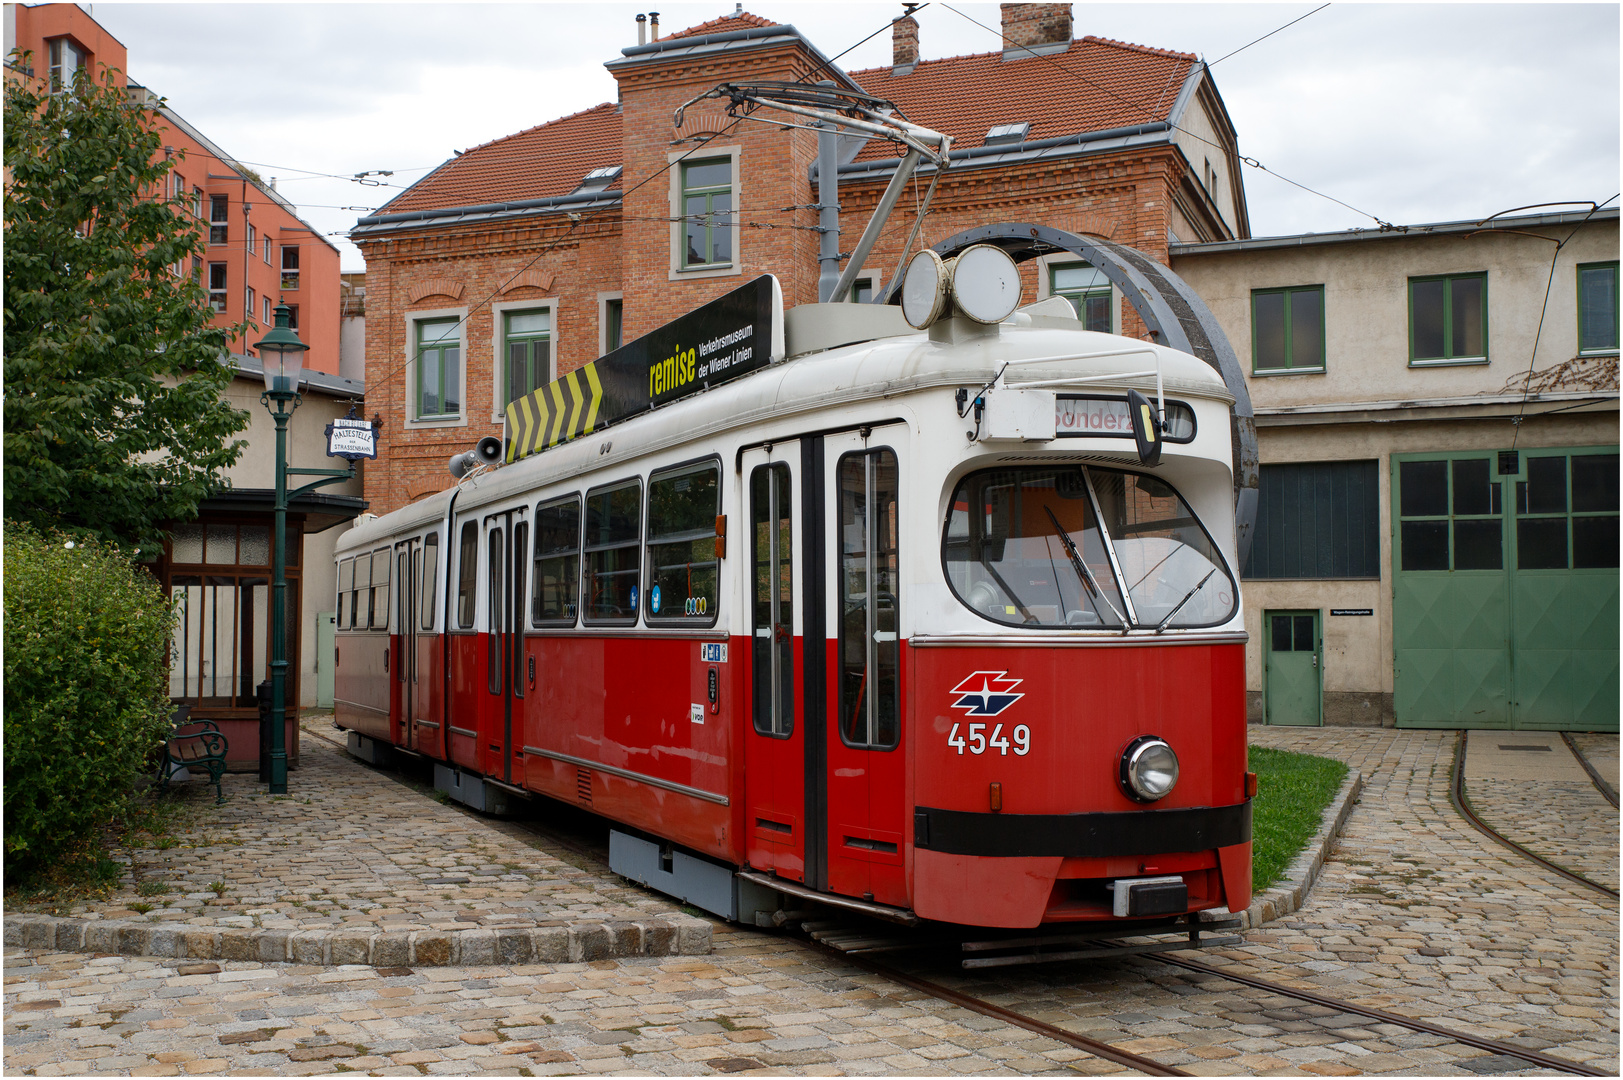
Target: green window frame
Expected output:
[707,214]
[1597,308]
[526,352]
[438,369]
[1088,290]
[1448,319]
[1287,330]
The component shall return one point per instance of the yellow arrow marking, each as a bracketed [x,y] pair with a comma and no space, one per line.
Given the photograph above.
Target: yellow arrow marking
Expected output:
[539,404]
[573,427]
[511,434]
[558,412]
[597,396]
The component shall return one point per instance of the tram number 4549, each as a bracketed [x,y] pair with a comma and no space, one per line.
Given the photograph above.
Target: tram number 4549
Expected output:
[978,743]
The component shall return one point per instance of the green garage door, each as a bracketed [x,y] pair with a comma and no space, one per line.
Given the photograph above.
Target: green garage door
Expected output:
[1505,589]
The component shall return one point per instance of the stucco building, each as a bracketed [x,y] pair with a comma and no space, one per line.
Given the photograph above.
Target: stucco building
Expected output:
[1437,419]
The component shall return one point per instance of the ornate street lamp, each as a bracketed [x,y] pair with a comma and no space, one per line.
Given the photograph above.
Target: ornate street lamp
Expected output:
[282,355]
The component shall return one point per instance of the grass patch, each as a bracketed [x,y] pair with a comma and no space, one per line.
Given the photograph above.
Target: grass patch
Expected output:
[1292,792]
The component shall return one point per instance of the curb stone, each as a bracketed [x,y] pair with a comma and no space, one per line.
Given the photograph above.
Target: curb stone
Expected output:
[1291,891]
[679,935]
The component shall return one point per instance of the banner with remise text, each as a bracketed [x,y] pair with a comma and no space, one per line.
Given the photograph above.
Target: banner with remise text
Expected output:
[729,337]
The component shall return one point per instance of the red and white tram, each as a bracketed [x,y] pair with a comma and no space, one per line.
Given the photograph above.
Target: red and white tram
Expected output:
[906,624]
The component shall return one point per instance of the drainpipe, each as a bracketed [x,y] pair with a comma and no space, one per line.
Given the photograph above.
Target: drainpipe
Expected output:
[828,209]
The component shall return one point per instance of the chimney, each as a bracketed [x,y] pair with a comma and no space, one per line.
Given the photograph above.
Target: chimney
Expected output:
[904,45]
[642,29]
[1035,28]
[653,25]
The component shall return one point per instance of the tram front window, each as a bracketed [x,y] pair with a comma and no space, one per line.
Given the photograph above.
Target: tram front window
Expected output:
[1026,547]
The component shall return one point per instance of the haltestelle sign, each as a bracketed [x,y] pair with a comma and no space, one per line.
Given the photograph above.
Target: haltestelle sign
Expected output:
[352,438]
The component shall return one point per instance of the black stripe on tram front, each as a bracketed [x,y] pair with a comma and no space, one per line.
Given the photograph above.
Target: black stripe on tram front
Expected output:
[1081,836]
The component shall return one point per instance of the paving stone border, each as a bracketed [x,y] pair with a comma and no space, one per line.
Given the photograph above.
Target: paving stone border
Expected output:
[578,943]
[1288,895]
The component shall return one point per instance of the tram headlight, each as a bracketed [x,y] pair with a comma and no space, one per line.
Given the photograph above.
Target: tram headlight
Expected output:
[1149,768]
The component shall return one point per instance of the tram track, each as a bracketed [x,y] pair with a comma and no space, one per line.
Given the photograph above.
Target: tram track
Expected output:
[1462,803]
[598,853]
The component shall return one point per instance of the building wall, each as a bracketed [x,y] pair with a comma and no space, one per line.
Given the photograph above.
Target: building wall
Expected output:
[30,26]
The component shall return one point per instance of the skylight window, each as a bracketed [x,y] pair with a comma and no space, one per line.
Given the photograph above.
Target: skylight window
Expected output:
[598,179]
[1008,133]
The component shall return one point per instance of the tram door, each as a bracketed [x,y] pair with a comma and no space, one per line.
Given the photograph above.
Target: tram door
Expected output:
[776,817]
[507,545]
[865,772]
[407,556]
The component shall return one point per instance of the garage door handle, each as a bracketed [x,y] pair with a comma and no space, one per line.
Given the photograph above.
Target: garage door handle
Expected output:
[1315,659]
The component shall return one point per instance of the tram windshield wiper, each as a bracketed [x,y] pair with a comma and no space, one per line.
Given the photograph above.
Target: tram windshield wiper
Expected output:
[1084,573]
[1163,624]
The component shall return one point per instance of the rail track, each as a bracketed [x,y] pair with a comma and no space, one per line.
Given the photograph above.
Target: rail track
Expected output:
[1462,802]
[578,841]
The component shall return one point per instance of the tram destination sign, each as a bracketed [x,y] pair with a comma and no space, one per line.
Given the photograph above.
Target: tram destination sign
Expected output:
[725,339]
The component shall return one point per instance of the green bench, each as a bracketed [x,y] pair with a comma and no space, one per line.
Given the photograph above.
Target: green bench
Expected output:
[193,744]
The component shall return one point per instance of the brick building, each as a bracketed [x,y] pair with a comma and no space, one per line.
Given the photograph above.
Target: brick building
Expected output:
[524,258]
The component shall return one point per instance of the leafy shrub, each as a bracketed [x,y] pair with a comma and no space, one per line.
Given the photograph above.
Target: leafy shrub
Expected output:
[86,682]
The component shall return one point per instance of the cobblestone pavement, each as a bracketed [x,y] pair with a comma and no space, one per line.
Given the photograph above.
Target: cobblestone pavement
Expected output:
[352,848]
[1415,913]
[1601,750]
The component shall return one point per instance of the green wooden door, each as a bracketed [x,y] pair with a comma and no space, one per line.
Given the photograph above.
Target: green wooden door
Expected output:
[1292,668]
[1505,589]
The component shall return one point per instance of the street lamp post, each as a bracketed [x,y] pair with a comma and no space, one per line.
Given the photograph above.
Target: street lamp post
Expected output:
[282,355]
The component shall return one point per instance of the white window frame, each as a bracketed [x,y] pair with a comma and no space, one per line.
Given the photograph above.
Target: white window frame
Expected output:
[57,50]
[1045,275]
[498,353]
[603,299]
[219,298]
[281,270]
[270,316]
[265,241]
[248,301]
[412,318]
[676,159]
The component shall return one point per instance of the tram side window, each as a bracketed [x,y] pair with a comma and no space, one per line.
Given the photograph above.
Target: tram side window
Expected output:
[613,547]
[431,577]
[346,583]
[378,604]
[869,640]
[557,562]
[467,575]
[363,584]
[682,565]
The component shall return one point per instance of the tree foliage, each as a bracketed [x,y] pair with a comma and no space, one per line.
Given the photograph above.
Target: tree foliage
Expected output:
[87,688]
[115,417]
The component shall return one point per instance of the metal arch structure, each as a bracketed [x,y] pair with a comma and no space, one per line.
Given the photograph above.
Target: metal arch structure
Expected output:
[1174,314]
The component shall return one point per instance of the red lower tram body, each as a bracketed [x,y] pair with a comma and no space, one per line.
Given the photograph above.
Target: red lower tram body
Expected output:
[1001,804]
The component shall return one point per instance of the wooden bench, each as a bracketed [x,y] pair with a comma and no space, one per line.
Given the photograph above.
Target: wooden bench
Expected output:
[193,744]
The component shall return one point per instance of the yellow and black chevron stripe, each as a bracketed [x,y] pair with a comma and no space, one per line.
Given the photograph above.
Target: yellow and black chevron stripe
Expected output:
[564,409]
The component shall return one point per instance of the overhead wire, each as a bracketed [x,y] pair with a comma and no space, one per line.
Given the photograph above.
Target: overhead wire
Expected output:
[1253,162]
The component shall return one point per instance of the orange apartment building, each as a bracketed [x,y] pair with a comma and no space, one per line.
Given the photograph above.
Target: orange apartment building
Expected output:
[258,253]
[524,258]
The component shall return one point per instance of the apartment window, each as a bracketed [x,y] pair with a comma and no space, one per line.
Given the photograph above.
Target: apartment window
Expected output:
[292,316]
[613,324]
[219,219]
[707,204]
[248,306]
[1287,329]
[217,286]
[265,243]
[178,186]
[1317,520]
[1597,307]
[66,60]
[197,201]
[439,369]
[1088,290]
[1448,319]
[251,239]
[269,318]
[290,267]
[197,269]
[527,346]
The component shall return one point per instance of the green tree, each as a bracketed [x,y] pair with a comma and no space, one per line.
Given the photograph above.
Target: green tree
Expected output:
[115,416]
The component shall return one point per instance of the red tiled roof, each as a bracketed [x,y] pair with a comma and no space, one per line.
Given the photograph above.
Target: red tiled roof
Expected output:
[537,163]
[1095,84]
[743,20]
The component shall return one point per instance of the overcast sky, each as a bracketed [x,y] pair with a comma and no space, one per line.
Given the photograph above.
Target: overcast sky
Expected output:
[1409,113]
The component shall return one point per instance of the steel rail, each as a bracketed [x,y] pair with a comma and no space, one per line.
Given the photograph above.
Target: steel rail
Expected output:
[1462,803]
[1606,790]
[997,1012]
[1493,1046]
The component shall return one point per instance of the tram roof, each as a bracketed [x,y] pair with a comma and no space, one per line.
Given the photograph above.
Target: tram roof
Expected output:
[869,381]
